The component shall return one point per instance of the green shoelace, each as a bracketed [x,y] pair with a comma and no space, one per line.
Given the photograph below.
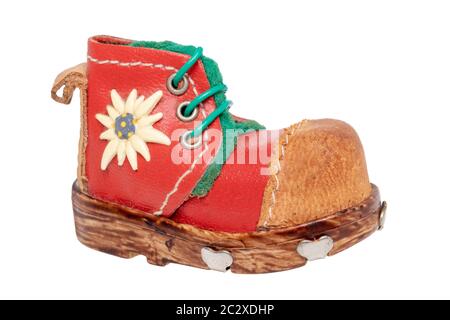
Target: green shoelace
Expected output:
[201,97]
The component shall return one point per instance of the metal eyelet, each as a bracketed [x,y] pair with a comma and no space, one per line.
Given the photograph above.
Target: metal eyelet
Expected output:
[187,143]
[183,86]
[180,112]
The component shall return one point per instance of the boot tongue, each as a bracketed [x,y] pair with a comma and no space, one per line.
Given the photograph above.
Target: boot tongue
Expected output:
[211,68]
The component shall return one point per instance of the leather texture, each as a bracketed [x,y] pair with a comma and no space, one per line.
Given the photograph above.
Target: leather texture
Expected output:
[159,185]
[234,202]
[319,169]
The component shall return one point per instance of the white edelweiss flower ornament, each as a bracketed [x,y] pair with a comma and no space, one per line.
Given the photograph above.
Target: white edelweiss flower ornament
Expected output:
[129,128]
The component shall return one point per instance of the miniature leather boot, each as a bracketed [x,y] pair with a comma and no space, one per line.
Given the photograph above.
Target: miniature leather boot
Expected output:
[166,171]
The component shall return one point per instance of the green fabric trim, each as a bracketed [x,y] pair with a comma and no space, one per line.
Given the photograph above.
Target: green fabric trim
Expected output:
[231,129]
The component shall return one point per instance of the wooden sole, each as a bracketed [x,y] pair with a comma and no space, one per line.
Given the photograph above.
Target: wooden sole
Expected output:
[126,233]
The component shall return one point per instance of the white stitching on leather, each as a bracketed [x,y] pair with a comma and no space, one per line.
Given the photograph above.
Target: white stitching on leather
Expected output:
[194,89]
[135,64]
[187,172]
[274,191]
[275,175]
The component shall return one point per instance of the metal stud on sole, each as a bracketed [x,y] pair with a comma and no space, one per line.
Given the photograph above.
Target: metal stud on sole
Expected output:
[217,260]
[317,249]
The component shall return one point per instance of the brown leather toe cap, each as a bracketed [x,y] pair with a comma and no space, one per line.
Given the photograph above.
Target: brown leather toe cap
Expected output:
[318,169]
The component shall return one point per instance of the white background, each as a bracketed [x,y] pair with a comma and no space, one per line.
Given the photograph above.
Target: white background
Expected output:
[382,66]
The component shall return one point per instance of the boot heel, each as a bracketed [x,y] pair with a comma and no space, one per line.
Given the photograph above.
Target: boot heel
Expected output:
[108,228]
[99,227]
[96,231]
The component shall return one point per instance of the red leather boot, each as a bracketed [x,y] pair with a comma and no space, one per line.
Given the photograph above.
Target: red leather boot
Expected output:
[167,172]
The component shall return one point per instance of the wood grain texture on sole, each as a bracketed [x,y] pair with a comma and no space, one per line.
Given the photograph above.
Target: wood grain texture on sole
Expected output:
[126,232]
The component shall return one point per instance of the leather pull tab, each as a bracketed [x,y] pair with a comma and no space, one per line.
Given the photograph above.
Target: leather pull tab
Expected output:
[70,79]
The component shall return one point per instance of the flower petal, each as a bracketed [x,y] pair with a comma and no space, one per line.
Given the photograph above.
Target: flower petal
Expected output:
[148,105]
[149,120]
[109,153]
[113,113]
[109,134]
[149,134]
[132,156]
[121,152]
[105,120]
[138,102]
[140,146]
[131,100]
[117,101]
